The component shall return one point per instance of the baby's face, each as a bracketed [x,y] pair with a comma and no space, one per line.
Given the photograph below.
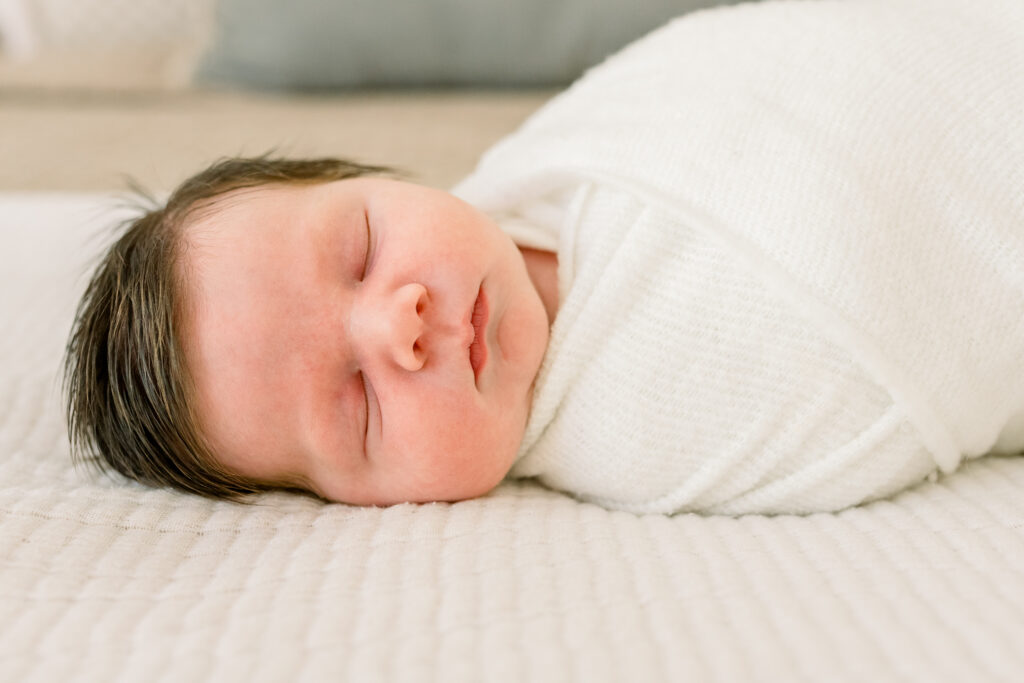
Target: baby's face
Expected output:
[371,340]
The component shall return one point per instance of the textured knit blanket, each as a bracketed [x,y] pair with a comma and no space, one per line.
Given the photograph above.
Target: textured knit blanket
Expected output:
[791,244]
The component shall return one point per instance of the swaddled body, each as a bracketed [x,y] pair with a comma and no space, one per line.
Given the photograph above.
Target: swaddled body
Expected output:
[791,256]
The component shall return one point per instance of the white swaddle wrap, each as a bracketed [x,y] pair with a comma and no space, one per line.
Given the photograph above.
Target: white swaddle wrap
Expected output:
[792,271]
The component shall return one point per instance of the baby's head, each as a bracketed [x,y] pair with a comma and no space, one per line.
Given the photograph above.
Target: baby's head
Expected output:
[307,324]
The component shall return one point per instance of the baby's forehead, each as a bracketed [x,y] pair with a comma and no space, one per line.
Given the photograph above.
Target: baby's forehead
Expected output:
[241,299]
[258,304]
[224,254]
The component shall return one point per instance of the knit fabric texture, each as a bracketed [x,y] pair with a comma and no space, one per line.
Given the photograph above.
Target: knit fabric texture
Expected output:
[791,265]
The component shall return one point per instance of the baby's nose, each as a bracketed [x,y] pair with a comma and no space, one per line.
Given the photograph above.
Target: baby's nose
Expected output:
[397,328]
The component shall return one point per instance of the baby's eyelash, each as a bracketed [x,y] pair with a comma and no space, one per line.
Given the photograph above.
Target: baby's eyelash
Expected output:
[366,258]
[366,411]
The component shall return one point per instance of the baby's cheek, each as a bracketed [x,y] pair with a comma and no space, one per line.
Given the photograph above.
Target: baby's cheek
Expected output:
[464,460]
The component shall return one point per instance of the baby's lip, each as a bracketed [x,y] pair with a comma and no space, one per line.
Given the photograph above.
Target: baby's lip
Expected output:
[478,318]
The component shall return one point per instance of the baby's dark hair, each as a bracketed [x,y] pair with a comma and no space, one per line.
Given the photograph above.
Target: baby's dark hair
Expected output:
[129,396]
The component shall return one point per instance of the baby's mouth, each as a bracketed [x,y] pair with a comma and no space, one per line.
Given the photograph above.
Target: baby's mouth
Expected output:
[478,348]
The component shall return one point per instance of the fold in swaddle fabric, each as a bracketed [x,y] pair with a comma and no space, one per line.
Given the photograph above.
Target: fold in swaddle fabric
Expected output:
[792,265]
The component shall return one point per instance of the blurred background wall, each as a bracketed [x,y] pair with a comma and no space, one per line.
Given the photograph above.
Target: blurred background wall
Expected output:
[93,90]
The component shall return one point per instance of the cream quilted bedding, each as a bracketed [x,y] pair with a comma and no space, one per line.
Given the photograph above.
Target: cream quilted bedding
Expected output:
[102,580]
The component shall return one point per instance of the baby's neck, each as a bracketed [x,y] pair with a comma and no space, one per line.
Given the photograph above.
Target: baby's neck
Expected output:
[542,267]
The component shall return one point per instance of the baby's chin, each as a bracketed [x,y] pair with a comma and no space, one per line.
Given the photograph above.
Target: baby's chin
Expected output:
[457,486]
[464,492]
[415,498]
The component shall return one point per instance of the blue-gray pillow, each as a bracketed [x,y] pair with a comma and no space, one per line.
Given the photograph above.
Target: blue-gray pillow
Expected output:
[320,44]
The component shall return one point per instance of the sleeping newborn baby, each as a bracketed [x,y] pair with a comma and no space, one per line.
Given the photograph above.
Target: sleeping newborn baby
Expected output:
[768,259]
[369,340]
